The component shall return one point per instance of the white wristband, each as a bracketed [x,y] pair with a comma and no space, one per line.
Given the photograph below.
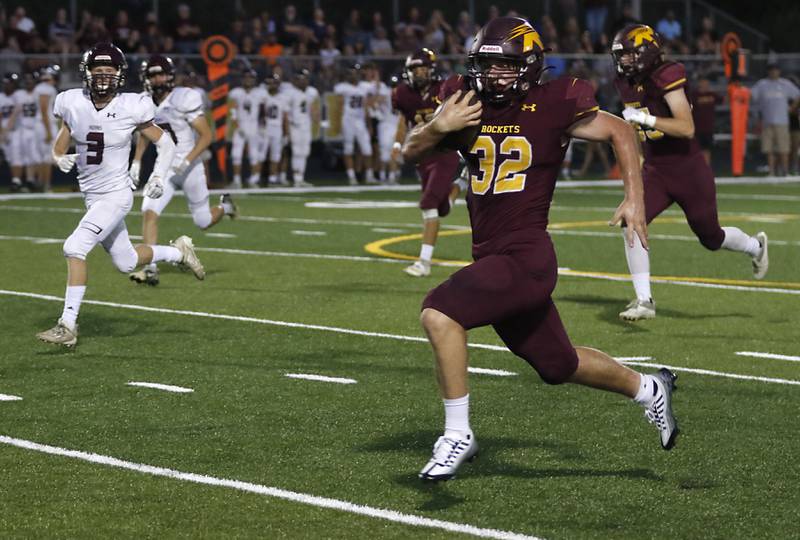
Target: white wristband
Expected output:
[649,120]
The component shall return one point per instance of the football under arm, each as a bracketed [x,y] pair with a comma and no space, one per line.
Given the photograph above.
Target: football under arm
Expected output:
[681,124]
[164,146]
[200,125]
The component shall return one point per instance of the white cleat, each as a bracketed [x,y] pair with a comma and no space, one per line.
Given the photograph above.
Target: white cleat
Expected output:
[146,276]
[418,269]
[60,334]
[659,412]
[353,182]
[638,310]
[449,453]
[228,206]
[189,261]
[761,261]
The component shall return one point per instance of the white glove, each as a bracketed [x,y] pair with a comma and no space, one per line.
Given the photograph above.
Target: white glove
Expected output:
[133,173]
[181,167]
[638,117]
[324,124]
[154,188]
[65,162]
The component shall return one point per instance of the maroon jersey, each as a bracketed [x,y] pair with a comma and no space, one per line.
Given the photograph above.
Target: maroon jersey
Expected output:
[410,102]
[515,160]
[703,105]
[649,97]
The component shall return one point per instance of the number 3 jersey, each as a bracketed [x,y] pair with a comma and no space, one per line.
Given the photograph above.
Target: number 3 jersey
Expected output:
[103,137]
[515,159]
[175,115]
[649,96]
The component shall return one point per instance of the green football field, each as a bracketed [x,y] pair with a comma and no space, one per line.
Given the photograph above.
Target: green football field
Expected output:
[312,284]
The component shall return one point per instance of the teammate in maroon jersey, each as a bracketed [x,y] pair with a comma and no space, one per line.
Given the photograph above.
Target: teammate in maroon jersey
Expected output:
[416,100]
[514,138]
[654,92]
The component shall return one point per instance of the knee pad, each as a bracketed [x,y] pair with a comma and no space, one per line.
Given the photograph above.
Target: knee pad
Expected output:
[430,214]
[151,205]
[125,258]
[76,246]
[201,215]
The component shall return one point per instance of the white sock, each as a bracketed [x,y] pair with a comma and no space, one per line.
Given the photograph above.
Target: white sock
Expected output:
[351,174]
[152,267]
[382,175]
[253,180]
[72,305]
[426,253]
[648,389]
[166,253]
[370,176]
[16,181]
[283,177]
[639,267]
[736,240]
[237,179]
[456,414]
[392,176]
[273,179]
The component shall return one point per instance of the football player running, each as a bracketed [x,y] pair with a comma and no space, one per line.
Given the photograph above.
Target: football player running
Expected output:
[179,112]
[416,100]
[509,285]
[101,121]
[303,114]
[246,101]
[655,94]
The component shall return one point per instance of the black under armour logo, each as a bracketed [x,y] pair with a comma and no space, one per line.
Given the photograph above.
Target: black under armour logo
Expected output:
[111,115]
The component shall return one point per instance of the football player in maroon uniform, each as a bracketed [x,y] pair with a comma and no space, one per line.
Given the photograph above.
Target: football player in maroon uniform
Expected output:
[654,92]
[513,138]
[416,99]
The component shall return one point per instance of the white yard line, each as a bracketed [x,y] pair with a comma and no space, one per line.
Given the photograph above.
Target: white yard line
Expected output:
[309,233]
[717,373]
[321,378]
[159,386]
[677,237]
[219,235]
[351,331]
[486,371]
[771,356]
[388,231]
[7,397]
[268,491]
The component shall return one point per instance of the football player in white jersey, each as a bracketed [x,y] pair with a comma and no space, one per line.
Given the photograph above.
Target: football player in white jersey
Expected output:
[354,123]
[45,92]
[26,145]
[276,127]
[180,113]
[303,113]
[246,102]
[8,126]
[385,124]
[101,121]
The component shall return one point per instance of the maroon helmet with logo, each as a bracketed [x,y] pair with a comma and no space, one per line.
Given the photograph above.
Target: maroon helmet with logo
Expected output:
[103,84]
[423,58]
[506,57]
[157,65]
[636,50]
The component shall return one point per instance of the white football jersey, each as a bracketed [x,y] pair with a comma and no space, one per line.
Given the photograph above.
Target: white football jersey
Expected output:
[300,102]
[103,138]
[29,109]
[275,107]
[248,105]
[7,104]
[382,107]
[355,98]
[175,115]
[46,89]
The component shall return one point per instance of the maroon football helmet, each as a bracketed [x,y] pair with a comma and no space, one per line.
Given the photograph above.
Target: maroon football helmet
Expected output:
[423,58]
[506,57]
[157,65]
[636,50]
[104,84]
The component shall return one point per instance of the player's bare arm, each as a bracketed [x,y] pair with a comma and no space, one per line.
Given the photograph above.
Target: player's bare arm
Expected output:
[44,107]
[680,125]
[454,115]
[605,127]
[166,152]
[399,137]
[200,125]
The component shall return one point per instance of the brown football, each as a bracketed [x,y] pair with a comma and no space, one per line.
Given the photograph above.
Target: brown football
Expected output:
[459,140]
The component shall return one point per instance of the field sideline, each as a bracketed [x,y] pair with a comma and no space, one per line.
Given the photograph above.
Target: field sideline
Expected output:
[291,393]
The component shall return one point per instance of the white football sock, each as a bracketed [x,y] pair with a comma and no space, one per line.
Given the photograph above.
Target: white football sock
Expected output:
[72,305]
[351,175]
[426,253]
[369,176]
[166,253]
[237,179]
[16,181]
[253,180]
[273,179]
[283,177]
[152,266]
[639,267]
[648,390]
[737,240]
[456,414]
[298,168]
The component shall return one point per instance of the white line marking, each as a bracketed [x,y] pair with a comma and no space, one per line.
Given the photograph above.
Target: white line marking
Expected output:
[357,205]
[349,331]
[321,378]
[486,371]
[293,496]
[220,235]
[717,373]
[7,397]
[159,386]
[682,238]
[771,356]
[391,231]
[309,233]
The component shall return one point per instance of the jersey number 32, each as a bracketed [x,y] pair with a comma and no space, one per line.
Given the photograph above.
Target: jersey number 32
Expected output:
[501,165]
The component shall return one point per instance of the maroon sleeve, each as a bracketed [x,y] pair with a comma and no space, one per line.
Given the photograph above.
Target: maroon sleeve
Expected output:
[395,99]
[669,77]
[581,93]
